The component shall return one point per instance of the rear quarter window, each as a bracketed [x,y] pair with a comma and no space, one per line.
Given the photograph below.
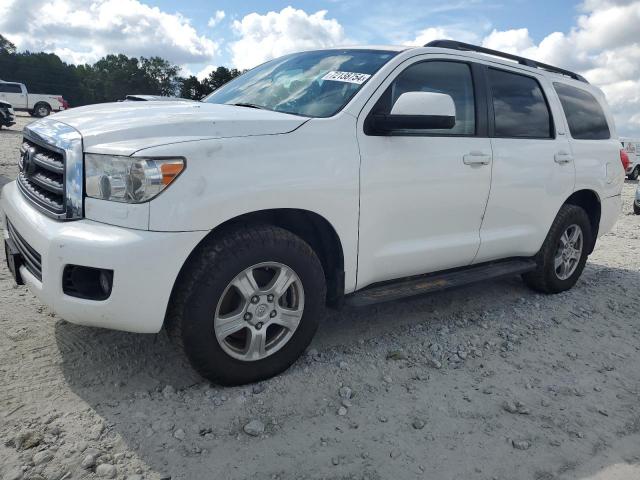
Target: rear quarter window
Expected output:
[584,114]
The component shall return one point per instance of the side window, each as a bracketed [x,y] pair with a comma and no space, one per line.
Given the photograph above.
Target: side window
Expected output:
[451,78]
[584,114]
[519,106]
[10,88]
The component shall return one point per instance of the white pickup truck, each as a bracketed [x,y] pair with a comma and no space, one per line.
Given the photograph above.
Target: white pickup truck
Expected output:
[37,104]
[346,175]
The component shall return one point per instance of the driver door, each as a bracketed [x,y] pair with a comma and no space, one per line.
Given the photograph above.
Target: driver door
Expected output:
[424,192]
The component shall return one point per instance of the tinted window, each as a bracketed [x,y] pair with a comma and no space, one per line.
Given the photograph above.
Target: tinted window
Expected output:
[584,114]
[452,78]
[519,106]
[10,88]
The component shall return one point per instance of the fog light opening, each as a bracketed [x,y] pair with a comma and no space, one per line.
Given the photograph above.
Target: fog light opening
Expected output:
[87,282]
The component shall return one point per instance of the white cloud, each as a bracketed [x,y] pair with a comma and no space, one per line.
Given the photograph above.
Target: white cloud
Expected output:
[442,33]
[604,46]
[81,31]
[510,41]
[204,73]
[216,18]
[263,37]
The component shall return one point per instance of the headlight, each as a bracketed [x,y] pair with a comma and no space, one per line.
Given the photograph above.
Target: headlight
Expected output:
[129,179]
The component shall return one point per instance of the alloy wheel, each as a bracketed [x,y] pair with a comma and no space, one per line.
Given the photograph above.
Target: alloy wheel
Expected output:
[259,311]
[568,252]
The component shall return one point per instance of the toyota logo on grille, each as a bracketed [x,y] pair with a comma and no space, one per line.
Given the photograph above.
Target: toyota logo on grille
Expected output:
[26,161]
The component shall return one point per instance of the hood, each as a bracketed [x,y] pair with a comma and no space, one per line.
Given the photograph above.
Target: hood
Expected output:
[126,127]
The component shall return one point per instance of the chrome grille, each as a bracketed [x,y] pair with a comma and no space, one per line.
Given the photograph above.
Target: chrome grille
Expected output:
[32,259]
[42,176]
[51,173]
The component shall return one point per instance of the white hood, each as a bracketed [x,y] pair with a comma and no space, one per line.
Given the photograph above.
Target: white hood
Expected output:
[126,127]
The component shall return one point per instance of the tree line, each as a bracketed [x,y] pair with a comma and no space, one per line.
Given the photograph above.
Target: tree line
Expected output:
[109,79]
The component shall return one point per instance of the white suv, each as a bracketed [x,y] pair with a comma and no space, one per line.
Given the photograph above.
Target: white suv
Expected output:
[347,175]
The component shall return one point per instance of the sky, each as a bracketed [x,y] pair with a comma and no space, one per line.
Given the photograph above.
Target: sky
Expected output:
[598,38]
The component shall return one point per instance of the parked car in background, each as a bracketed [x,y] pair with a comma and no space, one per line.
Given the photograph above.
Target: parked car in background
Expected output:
[328,177]
[37,104]
[632,147]
[153,98]
[7,116]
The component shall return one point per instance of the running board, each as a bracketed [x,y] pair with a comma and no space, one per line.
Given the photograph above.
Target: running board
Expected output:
[435,282]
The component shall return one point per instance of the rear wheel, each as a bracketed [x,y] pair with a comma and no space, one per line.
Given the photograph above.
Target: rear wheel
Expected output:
[564,253]
[636,208]
[248,304]
[635,173]
[42,110]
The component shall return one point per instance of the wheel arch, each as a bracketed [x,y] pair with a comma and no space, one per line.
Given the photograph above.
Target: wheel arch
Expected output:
[313,228]
[589,201]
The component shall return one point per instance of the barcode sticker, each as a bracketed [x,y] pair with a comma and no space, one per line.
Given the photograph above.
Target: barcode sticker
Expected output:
[349,77]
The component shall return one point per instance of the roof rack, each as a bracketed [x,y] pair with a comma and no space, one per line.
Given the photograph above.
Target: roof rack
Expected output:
[454,45]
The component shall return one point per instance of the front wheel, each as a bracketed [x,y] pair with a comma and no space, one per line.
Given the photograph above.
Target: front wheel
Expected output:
[635,173]
[248,304]
[636,208]
[564,252]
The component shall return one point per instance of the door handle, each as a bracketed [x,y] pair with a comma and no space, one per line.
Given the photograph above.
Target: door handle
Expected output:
[562,157]
[476,158]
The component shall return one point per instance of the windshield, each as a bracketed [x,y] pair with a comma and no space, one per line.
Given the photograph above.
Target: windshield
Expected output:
[313,84]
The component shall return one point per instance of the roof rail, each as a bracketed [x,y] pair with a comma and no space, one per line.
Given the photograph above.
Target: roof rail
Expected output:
[454,45]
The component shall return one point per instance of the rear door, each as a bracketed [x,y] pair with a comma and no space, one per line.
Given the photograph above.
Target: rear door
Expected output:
[533,171]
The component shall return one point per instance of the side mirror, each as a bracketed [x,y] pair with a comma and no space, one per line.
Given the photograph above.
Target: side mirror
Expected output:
[418,111]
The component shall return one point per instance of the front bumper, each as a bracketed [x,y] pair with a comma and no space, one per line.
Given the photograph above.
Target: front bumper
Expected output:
[8,120]
[145,264]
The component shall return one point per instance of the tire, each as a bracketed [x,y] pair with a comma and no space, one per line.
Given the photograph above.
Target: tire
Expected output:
[634,173]
[204,288]
[546,278]
[636,208]
[41,110]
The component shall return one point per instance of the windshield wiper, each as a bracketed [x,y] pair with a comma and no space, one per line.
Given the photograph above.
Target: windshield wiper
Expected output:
[250,105]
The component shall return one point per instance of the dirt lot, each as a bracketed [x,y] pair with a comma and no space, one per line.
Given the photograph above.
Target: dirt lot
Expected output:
[489,382]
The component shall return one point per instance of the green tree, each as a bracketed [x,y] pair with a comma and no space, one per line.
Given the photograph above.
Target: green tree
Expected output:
[220,76]
[120,76]
[6,46]
[163,74]
[192,88]
[111,78]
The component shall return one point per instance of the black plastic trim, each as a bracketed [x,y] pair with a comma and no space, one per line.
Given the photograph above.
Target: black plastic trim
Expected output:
[433,282]
[32,259]
[454,45]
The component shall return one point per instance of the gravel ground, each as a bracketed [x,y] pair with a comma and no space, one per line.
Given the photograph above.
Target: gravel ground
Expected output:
[490,382]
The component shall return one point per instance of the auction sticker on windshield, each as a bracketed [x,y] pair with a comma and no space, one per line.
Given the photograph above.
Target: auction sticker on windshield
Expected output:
[349,77]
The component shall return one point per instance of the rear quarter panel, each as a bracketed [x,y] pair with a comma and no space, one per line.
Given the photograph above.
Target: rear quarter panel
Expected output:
[34,98]
[597,162]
